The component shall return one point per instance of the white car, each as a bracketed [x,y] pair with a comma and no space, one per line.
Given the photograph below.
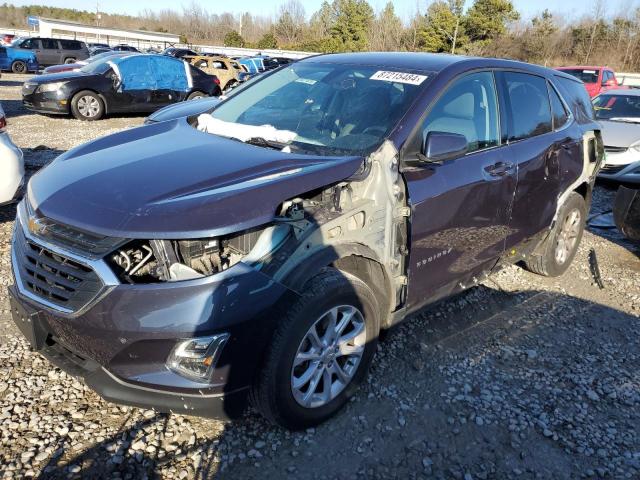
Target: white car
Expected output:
[618,112]
[11,165]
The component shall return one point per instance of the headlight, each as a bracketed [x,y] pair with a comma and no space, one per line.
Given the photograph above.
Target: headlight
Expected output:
[196,358]
[50,87]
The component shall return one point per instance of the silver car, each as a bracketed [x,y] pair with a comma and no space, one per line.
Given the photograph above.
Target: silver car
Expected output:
[618,111]
[11,165]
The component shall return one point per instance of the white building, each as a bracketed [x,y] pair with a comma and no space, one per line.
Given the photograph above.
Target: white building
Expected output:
[48,27]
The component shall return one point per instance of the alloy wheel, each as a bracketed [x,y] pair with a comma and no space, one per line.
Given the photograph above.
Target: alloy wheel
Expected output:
[568,236]
[328,356]
[88,106]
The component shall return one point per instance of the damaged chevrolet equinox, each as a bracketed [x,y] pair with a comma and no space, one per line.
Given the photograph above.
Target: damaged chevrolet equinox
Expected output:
[254,253]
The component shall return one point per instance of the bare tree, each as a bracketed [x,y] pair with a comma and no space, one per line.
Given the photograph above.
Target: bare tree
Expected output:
[290,23]
[598,14]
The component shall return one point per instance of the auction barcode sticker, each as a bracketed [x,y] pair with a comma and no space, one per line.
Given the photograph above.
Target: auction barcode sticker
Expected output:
[400,77]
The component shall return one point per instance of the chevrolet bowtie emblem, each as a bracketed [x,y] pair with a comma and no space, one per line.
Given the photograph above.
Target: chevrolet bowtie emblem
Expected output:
[36,226]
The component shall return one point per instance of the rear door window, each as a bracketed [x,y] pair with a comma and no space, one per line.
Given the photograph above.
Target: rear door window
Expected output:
[70,44]
[49,43]
[529,105]
[469,107]
[558,110]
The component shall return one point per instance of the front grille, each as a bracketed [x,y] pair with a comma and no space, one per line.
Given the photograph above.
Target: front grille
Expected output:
[53,278]
[610,149]
[611,169]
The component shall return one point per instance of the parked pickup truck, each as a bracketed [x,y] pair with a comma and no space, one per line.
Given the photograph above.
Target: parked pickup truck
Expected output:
[596,79]
[256,252]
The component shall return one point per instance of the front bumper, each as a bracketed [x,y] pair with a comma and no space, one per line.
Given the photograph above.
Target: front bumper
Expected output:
[621,167]
[48,102]
[120,342]
[11,169]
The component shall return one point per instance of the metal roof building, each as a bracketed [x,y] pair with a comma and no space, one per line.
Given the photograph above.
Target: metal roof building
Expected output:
[48,27]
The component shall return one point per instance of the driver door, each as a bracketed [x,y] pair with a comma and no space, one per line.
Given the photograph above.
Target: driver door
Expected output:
[461,207]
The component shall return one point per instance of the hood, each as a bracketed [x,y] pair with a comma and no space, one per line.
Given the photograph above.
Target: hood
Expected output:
[168,180]
[184,109]
[58,77]
[620,134]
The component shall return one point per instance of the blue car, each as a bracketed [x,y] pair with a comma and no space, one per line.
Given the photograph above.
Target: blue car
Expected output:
[17,61]
[254,64]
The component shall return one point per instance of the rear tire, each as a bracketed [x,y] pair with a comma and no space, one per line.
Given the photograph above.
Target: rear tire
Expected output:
[69,60]
[307,377]
[19,66]
[87,105]
[195,95]
[556,252]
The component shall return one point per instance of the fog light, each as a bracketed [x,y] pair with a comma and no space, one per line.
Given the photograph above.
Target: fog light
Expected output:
[196,358]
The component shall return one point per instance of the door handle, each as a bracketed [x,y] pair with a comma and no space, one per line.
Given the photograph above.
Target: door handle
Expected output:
[499,169]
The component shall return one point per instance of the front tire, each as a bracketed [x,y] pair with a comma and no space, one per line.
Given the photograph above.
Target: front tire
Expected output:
[87,105]
[19,67]
[67,61]
[320,352]
[554,255]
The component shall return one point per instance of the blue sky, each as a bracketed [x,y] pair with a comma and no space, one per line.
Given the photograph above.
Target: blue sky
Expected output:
[567,8]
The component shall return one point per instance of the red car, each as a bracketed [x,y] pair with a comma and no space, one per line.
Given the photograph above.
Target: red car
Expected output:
[596,79]
[7,38]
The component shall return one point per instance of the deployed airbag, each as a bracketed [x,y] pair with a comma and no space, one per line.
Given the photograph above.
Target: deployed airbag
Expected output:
[206,123]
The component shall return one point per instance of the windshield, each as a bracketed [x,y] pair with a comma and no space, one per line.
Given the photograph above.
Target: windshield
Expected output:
[101,56]
[586,75]
[621,108]
[100,66]
[332,109]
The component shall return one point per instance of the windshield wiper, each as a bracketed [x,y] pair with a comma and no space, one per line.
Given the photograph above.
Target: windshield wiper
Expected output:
[263,142]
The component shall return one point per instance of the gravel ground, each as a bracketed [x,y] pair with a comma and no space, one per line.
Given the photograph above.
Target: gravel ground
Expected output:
[522,377]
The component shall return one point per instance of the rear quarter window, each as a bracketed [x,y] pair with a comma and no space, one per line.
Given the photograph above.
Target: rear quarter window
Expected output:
[558,110]
[575,93]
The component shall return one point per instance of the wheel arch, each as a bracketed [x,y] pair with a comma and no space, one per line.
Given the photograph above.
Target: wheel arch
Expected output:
[353,258]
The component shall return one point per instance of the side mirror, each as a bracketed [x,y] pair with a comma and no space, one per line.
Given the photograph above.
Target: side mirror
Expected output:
[441,146]
[609,83]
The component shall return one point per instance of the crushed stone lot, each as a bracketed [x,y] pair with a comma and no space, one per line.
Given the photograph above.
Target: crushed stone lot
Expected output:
[522,377]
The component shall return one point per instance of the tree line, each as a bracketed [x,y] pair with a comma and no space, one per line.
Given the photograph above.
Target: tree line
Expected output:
[484,28]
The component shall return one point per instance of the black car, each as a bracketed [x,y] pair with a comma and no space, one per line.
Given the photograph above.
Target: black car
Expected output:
[179,52]
[125,48]
[132,83]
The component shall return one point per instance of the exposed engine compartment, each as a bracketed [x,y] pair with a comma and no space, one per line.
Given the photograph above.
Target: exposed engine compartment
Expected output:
[142,261]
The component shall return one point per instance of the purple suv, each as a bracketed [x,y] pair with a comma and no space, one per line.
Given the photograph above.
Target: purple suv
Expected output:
[256,251]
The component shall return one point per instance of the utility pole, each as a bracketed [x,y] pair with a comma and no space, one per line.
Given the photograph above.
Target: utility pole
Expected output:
[98,17]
